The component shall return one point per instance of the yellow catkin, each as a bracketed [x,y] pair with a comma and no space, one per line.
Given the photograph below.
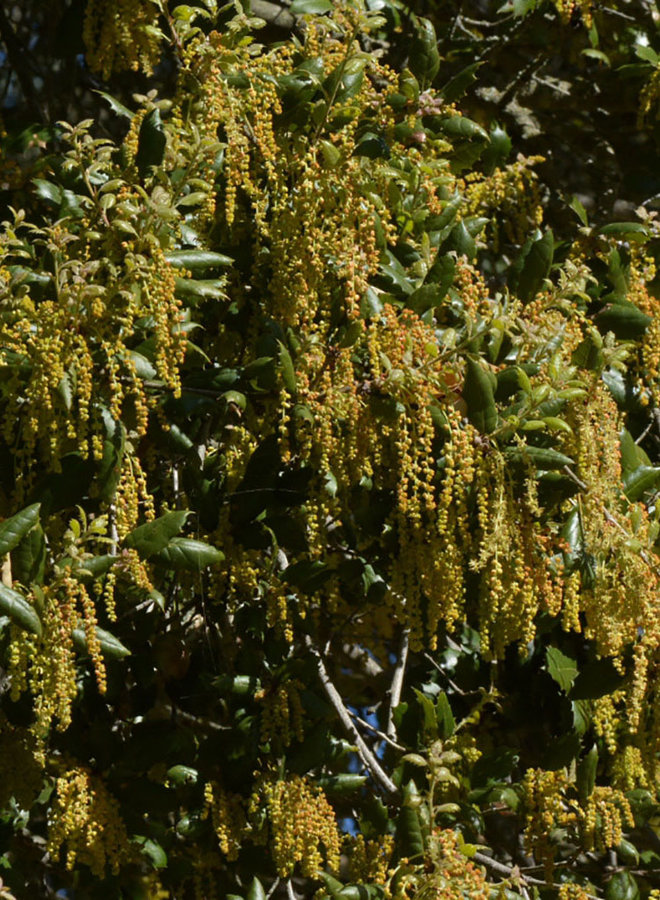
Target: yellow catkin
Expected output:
[84,821]
[302,825]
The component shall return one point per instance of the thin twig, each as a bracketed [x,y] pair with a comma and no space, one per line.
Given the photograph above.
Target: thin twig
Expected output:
[289,890]
[374,730]
[363,750]
[272,888]
[514,873]
[397,683]
[452,684]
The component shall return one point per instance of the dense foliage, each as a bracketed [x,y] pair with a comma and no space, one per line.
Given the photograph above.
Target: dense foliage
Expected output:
[331,422]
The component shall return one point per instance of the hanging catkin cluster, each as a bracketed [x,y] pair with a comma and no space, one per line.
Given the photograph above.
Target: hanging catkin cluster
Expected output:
[85,822]
[121,34]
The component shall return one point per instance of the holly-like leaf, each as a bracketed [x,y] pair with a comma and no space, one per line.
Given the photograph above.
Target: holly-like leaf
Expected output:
[152,537]
[535,266]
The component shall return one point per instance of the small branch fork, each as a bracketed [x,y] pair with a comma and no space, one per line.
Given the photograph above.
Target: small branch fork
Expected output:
[514,873]
[364,752]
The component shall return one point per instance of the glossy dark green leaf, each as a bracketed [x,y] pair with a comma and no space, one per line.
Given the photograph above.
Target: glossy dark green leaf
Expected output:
[151,143]
[202,289]
[153,851]
[181,775]
[186,553]
[409,838]
[48,191]
[462,127]
[622,886]
[340,785]
[445,716]
[110,645]
[479,397]
[561,668]
[541,457]
[152,537]
[198,260]
[535,267]
[624,320]
[94,567]
[19,610]
[498,149]
[28,559]
[14,529]
[118,108]
[625,231]
[287,369]
[458,85]
[424,59]
[256,891]
[641,480]
[586,773]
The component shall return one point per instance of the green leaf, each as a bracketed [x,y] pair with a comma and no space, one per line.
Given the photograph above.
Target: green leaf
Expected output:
[424,59]
[479,397]
[202,289]
[429,718]
[14,529]
[110,645]
[535,267]
[457,86]
[118,108]
[445,716]
[643,479]
[340,785]
[19,610]
[185,553]
[28,560]
[151,143]
[48,191]
[622,886]
[287,369]
[152,537]
[410,841]
[153,851]
[310,7]
[586,774]
[623,319]
[198,260]
[579,210]
[94,567]
[180,775]
[625,231]
[256,891]
[461,126]
[541,457]
[562,668]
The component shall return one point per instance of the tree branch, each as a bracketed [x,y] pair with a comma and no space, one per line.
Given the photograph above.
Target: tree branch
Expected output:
[373,730]
[397,683]
[514,872]
[364,752]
